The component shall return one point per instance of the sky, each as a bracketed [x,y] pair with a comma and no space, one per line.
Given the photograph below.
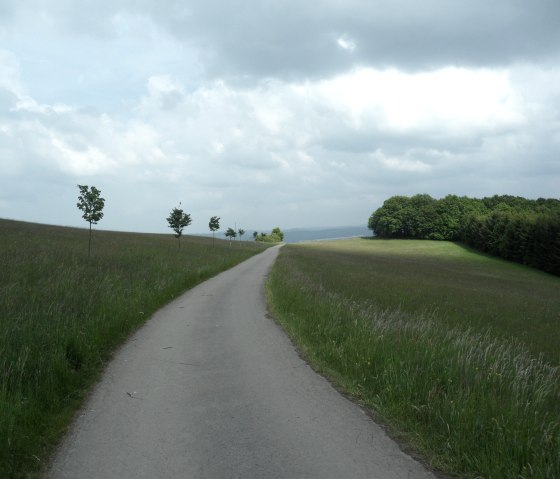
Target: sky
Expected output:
[290,113]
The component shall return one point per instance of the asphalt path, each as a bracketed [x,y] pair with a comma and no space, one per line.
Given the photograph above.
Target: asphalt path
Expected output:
[211,387]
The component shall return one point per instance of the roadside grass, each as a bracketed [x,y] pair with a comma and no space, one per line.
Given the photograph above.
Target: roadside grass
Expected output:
[456,351]
[62,314]
[467,288]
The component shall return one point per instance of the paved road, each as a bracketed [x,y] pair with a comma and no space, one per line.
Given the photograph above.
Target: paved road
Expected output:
[212,388]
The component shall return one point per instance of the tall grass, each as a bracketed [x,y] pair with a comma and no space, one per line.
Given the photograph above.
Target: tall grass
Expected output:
[473,402]
[469,289]
[62,314]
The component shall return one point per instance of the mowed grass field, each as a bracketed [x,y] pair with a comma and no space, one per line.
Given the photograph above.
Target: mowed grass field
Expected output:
[62,314]
[456,351]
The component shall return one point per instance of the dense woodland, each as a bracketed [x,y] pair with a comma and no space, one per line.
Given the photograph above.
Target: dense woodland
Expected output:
[514,228]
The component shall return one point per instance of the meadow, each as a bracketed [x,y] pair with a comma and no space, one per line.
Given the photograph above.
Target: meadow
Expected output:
[455,351]
[62,314]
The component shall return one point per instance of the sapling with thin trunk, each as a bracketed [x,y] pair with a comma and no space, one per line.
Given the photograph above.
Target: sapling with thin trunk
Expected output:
[214,225]
[91,203]
[178,220]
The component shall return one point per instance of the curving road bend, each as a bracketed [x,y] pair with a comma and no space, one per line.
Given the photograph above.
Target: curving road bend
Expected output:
[212,388]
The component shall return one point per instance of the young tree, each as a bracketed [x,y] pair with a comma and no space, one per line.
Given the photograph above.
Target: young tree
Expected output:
[230,233]
[214,225]
[178,220]
[241,232]
[91,203]
[255,234]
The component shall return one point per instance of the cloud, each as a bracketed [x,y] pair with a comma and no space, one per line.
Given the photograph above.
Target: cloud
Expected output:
[272,142]
[346,43]
[450,101]
[266,113]
[295,39]
[401,164]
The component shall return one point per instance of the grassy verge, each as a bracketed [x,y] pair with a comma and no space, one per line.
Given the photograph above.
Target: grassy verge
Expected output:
[62,314]
[454,350]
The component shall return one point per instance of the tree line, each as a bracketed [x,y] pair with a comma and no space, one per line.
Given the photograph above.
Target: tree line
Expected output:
[511,227]
[91,204]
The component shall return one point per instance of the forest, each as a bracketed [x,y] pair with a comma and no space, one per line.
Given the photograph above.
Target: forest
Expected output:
[511,227]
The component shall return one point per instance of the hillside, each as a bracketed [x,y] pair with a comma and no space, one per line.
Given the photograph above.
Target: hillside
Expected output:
[62,314]
[455,350]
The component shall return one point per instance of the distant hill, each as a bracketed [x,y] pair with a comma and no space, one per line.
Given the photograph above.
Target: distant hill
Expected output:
[295,235]
[314,234]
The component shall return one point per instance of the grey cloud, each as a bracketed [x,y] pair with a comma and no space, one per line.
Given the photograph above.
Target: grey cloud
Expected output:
[293,39]
[363,141]
[264,151]
[7,101]
[478,33]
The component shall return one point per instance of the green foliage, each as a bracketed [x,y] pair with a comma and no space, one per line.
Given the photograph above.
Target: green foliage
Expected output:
[214,225]
[278,233]
[61,317]
[523,236]
[514,228]
[241,232]
[230,233]
[275,236]
[178,220]
[422,217]
[394,323]
[91,204]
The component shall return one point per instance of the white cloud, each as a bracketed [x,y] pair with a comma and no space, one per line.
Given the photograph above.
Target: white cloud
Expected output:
[451,100]
[346,43]
[133,103]
[217,148]
[401,164]
[232,138]
[86,162]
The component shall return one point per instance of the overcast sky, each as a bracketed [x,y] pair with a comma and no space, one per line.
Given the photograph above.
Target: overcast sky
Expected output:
[268,113]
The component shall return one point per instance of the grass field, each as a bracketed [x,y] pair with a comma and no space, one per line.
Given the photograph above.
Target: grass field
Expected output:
[62,314]
[456,351]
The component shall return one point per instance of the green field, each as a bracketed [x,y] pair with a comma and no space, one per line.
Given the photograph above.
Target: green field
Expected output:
[456,351]
[62,314]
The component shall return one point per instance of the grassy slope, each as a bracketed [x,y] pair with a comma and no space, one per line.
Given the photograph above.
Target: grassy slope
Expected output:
[62,313]
[422,333]
[465,287]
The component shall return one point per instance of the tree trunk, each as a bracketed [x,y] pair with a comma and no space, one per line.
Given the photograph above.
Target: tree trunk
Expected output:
[89,242]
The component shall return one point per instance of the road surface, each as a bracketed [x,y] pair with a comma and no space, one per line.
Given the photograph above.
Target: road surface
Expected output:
[212,388]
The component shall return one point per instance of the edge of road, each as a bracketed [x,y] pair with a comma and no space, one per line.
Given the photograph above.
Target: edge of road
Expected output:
[399,438]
